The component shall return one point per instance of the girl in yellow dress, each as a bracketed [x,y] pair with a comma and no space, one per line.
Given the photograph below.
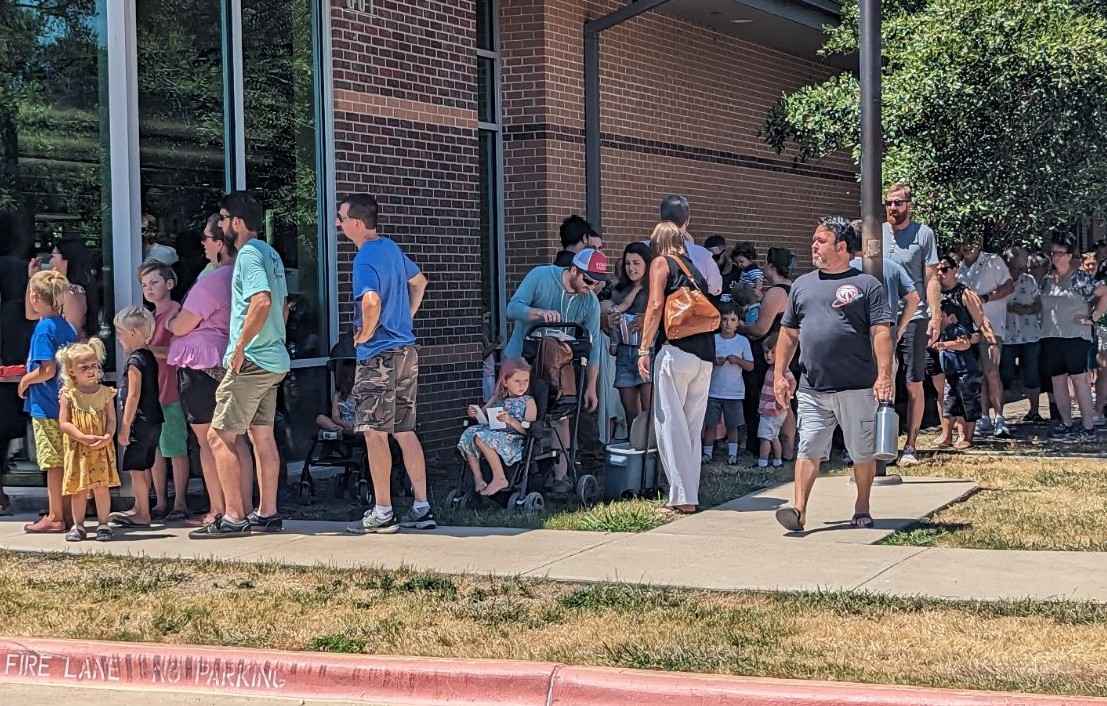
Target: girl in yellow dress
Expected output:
[87,419]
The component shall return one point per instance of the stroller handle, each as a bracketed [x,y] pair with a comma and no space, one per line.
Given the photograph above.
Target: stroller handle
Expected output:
[577,330]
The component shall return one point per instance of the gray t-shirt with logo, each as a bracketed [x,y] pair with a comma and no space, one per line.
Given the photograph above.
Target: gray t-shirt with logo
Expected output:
[835,314]
[915,247]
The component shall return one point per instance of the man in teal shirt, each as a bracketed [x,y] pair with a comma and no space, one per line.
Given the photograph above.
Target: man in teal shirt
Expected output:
[257,362]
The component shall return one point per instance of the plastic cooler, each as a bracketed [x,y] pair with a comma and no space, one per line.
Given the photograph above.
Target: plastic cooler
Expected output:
[629,471]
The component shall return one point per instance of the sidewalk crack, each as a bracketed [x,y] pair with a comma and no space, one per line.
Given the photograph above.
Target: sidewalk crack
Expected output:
[888,568]
[570,555]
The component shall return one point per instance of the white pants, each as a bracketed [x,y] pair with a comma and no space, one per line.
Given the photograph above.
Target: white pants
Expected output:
[681,383]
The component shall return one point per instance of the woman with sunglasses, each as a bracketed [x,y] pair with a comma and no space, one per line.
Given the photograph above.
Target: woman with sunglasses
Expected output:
[970,312]
[200,331]
[1067,296]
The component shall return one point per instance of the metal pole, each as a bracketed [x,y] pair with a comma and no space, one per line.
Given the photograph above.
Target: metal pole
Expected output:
[592,167]
[872,153]
[872,148]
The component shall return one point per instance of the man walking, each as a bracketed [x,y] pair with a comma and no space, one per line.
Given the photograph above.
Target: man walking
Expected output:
[257,362]
[388,291]
[986,274]
[841,322]
[915,247]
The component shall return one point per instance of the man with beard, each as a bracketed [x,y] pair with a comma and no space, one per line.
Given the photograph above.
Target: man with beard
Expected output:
[915,247]
[839,318]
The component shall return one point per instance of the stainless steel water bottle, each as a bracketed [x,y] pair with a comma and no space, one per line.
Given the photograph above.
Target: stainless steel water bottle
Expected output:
[886,432]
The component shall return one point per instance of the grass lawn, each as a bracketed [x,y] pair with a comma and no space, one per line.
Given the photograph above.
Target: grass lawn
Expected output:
[718,485]
[1038,647]
[1024,503]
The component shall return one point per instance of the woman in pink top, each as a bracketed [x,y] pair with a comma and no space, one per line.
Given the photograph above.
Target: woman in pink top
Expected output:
[200,332]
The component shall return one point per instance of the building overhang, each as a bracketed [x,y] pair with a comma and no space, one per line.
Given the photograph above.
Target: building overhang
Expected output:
[793,26]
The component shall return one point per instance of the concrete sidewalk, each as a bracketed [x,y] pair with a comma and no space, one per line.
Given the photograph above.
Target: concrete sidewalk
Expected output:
[735,546]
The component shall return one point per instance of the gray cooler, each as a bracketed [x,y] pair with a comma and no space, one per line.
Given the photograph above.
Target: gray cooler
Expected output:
[629,471]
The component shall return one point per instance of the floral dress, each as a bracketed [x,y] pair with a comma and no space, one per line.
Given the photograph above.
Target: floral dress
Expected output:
[85,467]
[507,443]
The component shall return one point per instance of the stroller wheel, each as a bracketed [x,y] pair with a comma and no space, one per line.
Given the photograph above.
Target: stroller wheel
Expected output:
[514,501]
[588,490]
[534,502]
[456,497]
[364,493]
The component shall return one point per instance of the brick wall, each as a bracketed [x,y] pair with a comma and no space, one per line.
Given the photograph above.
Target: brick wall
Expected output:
[678,116]
[406,131]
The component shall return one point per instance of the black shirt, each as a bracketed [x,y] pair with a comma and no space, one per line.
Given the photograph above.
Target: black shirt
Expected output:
[149,410]
[564,258]
[701,345]
[835,314]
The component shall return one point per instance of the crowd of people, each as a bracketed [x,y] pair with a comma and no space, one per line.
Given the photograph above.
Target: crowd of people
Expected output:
[213,363]
[789,361]
[712,347]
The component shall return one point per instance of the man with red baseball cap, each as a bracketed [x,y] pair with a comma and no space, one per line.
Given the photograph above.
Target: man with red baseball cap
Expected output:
[553,294]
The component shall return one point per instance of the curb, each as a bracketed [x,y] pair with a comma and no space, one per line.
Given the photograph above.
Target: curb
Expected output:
[416,681]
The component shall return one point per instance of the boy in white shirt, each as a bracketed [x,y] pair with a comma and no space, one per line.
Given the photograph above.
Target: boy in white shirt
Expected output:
[732,355]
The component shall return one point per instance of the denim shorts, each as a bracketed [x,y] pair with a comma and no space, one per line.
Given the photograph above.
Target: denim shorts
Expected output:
[626,368]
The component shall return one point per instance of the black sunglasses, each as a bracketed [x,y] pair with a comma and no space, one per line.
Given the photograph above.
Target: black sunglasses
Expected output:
[896,202]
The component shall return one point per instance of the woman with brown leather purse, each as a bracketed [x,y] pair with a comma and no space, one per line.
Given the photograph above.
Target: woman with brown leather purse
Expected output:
[682,369]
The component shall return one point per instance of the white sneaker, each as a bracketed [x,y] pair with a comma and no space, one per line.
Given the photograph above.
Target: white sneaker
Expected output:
[1000,430]
[984,426]
[908,458]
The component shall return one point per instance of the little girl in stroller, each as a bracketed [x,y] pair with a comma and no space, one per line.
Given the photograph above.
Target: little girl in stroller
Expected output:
[501,446]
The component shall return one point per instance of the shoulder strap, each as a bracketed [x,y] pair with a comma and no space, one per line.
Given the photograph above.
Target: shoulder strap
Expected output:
[684,269]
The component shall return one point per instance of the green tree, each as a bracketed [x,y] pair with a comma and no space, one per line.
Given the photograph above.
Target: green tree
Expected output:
[995,111]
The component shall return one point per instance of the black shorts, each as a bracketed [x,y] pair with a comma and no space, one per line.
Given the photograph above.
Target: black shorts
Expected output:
[933,364]
[961,398]
[1065,356]
[911,351]
[139,454]
[197,395]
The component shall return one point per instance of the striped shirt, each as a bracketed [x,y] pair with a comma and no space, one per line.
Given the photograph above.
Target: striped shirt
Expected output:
[767,406]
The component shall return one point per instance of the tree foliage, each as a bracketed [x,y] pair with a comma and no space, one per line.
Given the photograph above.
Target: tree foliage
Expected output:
[995,111]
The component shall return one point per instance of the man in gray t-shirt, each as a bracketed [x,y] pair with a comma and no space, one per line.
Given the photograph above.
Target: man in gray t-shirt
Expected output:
[915,247]
[840,320]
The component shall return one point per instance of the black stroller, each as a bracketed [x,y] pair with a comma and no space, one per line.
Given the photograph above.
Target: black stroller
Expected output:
[339,448]
[558,355]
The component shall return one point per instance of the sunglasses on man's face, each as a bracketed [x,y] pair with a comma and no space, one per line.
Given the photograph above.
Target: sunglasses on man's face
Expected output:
[890,203]
[589,281]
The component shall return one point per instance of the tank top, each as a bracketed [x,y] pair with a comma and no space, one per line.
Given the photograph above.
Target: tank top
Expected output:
[701,345]
[956,295]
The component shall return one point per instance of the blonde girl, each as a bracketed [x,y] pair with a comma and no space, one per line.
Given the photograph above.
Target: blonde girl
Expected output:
[500,446]
[46,294]
[87,419]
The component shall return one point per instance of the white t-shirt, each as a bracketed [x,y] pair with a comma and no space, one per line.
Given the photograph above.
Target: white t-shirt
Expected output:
[726,380]
[983,277]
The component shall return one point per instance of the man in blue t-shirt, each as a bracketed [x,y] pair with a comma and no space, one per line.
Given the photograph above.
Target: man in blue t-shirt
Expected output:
[388,291]
[257,362]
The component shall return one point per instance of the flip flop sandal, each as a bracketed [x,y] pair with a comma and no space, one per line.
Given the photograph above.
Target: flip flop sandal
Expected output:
[126,522]
[177,516]
[861,520]
[790,518]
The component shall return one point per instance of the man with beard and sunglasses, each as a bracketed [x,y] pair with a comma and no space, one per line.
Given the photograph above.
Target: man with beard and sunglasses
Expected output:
[915,247]
[551,294]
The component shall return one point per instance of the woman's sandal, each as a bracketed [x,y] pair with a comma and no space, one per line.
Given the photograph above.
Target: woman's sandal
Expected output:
[861,520]
[790,518]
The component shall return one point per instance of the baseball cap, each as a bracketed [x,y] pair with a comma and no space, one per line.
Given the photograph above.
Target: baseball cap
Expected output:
[592,263]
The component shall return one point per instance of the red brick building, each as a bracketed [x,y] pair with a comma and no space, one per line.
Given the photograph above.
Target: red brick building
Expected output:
[684,93]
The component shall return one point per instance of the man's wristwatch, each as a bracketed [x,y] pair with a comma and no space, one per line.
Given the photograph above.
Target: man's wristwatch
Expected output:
[643,353]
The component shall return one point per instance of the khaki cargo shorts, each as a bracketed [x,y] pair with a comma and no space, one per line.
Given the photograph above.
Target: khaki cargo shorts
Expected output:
[384,391]
[246,399]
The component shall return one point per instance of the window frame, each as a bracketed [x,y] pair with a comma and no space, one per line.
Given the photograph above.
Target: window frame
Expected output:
[498,285]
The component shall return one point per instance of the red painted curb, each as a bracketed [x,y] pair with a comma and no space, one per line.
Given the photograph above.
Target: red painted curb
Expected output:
[590,686]
[414,681]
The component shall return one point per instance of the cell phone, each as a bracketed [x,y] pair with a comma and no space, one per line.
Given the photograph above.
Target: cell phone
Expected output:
[44,262]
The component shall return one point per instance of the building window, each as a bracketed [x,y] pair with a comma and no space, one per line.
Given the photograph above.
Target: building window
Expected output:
[54,157]
[490,139]
[279,81]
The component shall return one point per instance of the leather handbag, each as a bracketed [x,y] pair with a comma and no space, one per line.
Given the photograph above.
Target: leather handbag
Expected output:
[688,311]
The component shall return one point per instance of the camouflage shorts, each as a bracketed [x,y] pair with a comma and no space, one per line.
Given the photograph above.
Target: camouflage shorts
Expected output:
[384,391]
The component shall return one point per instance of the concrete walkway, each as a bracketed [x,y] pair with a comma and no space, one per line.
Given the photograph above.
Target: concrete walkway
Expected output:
[732,547]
